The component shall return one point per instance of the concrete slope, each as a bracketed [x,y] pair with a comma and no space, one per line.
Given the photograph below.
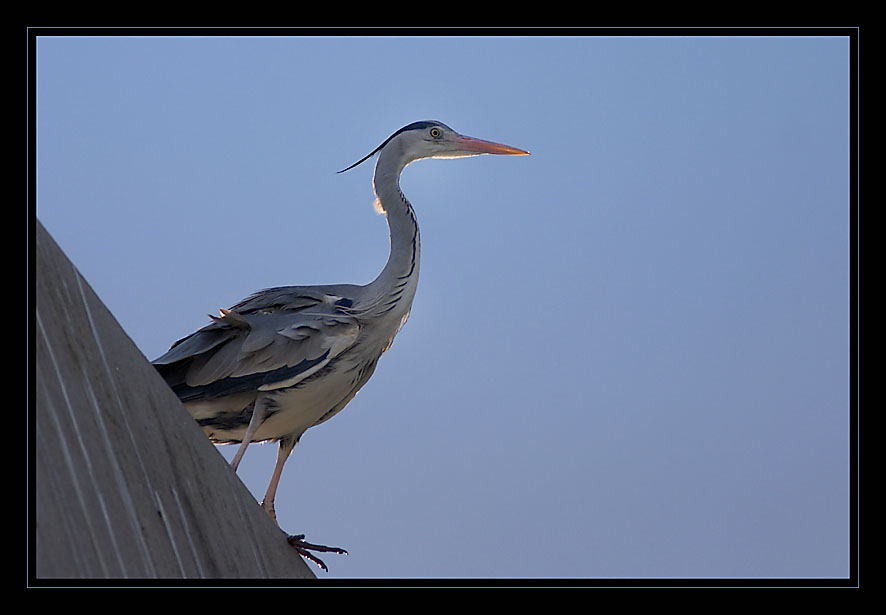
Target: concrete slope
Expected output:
[123,482]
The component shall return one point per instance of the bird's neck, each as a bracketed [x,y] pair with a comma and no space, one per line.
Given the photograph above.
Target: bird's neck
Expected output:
[396,284]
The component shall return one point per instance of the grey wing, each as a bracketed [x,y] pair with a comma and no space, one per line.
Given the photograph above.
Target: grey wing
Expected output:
[293,298]
[273,339]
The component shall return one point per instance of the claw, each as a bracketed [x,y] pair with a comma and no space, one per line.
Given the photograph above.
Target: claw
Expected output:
[304,549]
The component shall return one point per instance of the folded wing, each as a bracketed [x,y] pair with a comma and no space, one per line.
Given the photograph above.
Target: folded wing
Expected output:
[273,339]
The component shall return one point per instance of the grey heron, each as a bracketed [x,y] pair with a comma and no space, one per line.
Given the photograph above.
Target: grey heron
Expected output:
[288,358]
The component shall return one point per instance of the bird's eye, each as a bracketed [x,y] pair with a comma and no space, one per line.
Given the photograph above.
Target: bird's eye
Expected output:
[436,132]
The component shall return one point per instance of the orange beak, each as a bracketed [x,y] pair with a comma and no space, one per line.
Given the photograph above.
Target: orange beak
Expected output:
[480,146]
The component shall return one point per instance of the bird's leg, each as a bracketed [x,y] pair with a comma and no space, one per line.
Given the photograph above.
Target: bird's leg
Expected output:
[296,540]
[283,451]
[258,414]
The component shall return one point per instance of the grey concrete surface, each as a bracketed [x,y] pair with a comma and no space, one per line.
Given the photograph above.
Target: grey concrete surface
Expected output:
[125,483]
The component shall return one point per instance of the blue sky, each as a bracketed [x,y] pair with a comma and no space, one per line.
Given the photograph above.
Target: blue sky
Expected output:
[628,353]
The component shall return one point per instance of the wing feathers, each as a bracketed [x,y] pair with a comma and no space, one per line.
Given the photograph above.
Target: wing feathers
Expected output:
[283,340]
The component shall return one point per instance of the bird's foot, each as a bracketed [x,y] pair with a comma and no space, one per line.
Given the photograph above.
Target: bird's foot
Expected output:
[304,549]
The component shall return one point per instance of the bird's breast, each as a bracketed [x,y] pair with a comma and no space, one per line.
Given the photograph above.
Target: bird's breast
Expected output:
[295,409]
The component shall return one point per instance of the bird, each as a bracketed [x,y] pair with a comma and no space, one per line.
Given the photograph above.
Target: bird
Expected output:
[289,358]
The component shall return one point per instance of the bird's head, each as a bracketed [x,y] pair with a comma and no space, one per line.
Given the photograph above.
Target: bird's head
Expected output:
[432,139]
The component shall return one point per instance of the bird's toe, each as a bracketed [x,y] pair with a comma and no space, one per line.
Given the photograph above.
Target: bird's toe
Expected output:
[304,549]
